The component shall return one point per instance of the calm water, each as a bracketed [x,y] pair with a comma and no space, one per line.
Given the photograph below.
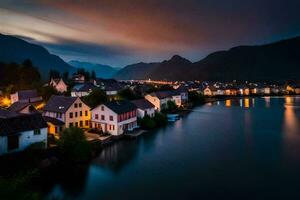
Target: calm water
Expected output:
[238,149]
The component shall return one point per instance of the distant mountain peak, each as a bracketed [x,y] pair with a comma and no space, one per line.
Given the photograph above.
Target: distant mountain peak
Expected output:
[179,59]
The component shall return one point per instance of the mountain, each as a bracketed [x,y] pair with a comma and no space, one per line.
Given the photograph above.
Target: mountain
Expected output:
[102,71]
[275,61]
[17,50]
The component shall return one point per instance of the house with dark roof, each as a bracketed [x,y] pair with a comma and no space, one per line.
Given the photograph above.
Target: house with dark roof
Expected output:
[144,107]
[160,99]
[58,84]
[63,112]
[22,107]
[110,86]
[81,90]
[29,96]
[115,117]
[19,131]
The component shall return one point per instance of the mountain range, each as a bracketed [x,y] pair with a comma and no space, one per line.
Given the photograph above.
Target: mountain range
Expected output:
[275,61]
[17,50]
[102,71]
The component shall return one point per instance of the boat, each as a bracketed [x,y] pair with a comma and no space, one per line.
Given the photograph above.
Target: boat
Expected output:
[173,117]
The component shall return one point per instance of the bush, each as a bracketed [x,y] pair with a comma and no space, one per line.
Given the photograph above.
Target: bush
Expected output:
[160,119]
[73,145]
[196,98]
[96,97]
[147,123]
[36,146]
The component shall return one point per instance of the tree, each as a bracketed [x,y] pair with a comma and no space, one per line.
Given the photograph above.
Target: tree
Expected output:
[96,97]
[53,74]
[65,76]
[47,91]
[93,75]
[196,98]
[160,119]
[147,123]
[128,94]
[74,146]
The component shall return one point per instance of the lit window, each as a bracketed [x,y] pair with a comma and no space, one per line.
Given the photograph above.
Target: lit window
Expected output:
[86,113]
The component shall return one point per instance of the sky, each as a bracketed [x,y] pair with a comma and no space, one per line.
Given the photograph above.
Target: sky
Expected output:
[122,32]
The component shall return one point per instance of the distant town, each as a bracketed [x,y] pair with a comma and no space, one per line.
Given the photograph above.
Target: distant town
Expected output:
[106,109]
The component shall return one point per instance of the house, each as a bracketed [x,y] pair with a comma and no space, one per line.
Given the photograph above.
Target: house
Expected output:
[22,107]
[63,112]
[59,85]
[160,99]
[210,91]
[184,93]
[115,117]
[244,90]
[144,107]
[110,86]
[81,90]
[19,131]
[78,78]
[29,96]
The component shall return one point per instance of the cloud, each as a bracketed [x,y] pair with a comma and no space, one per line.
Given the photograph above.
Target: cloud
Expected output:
[150,29]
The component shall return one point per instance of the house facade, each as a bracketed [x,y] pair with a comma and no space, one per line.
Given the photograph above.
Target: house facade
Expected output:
[59,85]
[159,99]
[115,117]
[63,112]
[19,131]
[144,107]
[81,90]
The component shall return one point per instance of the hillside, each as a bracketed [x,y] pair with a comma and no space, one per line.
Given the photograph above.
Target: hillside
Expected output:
[102,71]
[17,50]
[275,61]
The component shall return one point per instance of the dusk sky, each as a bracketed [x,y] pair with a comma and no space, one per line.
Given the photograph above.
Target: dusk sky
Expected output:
[129,31]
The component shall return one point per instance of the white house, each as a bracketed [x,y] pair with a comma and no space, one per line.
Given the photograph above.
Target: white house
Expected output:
[144,107]
[19,131]
[29,96]
[64,112]
[58,84]
[81,90]
[159,99]
[115,117]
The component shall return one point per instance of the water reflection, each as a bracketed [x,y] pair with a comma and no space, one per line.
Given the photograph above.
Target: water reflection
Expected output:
[243,102]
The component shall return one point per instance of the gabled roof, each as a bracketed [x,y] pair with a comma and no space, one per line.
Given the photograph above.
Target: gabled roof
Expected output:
[54,121]
[27,94]
[164,94]
[17,106]
[5,113]
[83,87]
[21,122]
[59,103]
[143,104]
[120,107]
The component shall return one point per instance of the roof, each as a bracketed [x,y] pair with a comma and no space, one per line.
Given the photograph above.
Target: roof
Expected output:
[59,103]
[17,106]
[143,104]
[5,113]
[182,89]
[120,107]
[27,94]
[164,94]
[53,121]
[83,87]
[20,123]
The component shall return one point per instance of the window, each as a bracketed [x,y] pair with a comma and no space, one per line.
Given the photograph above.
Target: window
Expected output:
[86,122]
[37,132]
[80,113]
[75,105]
[55,129]
[102,117]
[102,108]
[76,114]
[71,115]
[80,105]
[76,124]
[59,115]
[96,116]
[86,113]
[71,124]
[80,123]
[111,118]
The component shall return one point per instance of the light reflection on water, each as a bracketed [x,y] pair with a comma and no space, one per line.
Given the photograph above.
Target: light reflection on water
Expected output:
[225,149]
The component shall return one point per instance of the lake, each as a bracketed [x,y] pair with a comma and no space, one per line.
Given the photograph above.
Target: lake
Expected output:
[234,149]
